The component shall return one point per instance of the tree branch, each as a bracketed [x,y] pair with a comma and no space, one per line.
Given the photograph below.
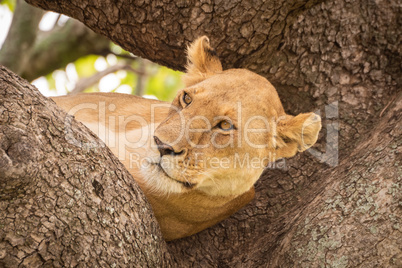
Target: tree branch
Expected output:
[61,46]
[22,34]
[50,50]
[87,82]
[261,23]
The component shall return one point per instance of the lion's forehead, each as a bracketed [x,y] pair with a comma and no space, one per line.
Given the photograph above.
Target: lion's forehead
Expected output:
[214,107]
[227,93]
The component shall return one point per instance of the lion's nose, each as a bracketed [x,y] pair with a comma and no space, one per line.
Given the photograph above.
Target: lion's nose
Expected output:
[165,149]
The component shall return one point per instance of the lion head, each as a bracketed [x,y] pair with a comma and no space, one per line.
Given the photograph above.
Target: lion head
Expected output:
[222,130]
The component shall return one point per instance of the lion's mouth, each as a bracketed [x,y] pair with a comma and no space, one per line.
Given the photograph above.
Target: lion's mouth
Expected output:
[186,184]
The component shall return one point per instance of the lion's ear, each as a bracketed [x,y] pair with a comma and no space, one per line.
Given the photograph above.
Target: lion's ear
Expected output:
[202,62]
[297,133]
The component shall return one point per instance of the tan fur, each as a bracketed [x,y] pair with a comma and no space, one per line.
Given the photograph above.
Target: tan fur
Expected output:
[188,191]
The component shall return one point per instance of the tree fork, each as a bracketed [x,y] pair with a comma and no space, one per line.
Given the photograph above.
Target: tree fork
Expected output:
[344,53]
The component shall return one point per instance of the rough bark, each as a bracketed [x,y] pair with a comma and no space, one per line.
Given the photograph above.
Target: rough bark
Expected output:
[65,199]
[342,57]
[160,30]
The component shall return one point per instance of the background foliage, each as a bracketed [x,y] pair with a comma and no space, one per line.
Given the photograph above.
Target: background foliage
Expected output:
[90,64]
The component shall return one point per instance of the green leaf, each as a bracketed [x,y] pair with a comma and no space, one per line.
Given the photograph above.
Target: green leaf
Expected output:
[164,84]
[10,4]
[85,66]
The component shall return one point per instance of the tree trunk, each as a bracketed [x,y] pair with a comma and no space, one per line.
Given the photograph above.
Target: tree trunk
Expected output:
[64,197]
[338,206]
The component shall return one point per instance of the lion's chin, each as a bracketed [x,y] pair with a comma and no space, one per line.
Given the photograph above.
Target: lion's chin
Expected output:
[158,181]
[186,184]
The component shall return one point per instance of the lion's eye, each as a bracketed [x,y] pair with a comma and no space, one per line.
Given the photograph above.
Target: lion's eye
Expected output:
[225,125]
[186,99]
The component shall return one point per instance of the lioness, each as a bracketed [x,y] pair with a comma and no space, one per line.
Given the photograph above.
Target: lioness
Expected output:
[197,158]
